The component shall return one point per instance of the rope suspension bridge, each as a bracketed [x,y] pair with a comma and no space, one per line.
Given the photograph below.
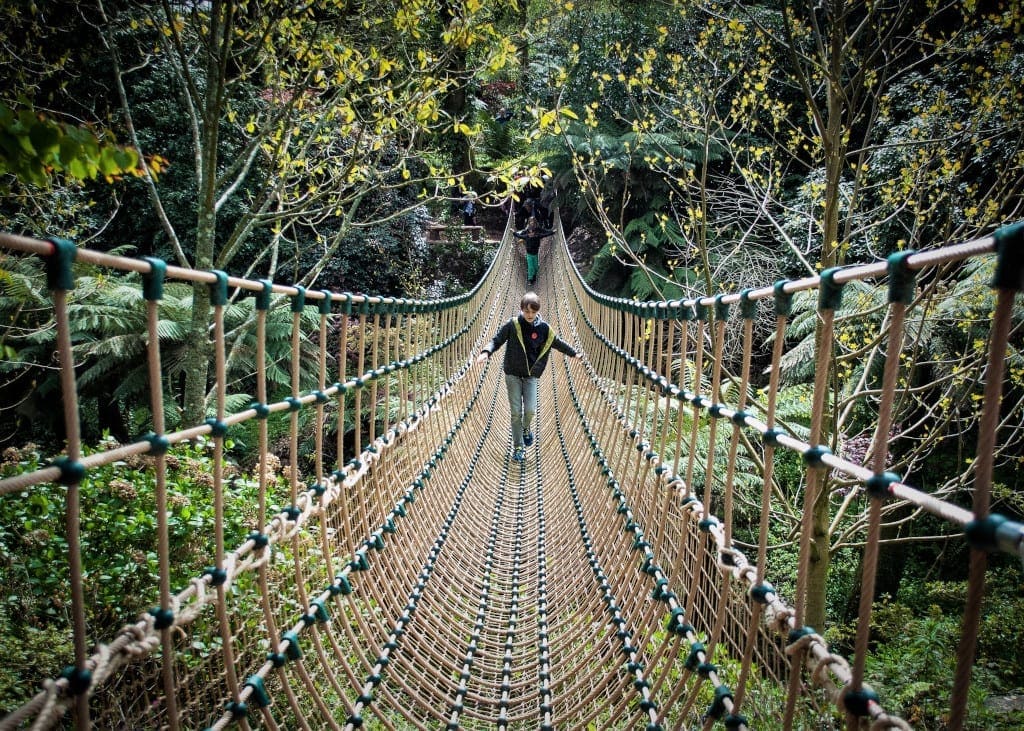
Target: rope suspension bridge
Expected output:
[430,581]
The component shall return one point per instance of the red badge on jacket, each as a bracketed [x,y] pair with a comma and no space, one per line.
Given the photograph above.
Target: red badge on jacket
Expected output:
[533,335]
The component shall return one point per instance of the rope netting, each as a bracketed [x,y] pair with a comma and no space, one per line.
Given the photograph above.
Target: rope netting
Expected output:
[433,582]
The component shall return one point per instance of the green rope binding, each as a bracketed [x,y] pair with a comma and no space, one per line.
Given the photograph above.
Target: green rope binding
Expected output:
[260,697]
[1009,272]
[799,633]
[299,298]
[153,280]
[293,651]
[158,444]
[79,679]
[721,309]
[760,592]
[341,585]
[902,279]
[858,702]
[326,302]
[812,455]
[262,297]
[988,533]
[830,294]
[319,613]
[783,299]
[717,708]
[58,265]
[735,721]
[218,429]
[219,288]
[237,709]
[748,307]
[880,486]
[71,471]
[218,577]
[163,618]
[260,540]
[693,659]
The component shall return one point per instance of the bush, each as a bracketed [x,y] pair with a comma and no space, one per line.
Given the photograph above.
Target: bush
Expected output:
[119,551]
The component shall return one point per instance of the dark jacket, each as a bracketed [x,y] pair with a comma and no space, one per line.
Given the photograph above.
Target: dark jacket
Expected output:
[528,357]
[532,238]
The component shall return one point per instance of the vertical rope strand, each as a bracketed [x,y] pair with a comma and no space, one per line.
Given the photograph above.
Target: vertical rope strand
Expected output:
[994,370]
[72,436]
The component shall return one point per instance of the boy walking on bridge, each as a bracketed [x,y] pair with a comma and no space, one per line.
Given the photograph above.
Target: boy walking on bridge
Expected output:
[530,342]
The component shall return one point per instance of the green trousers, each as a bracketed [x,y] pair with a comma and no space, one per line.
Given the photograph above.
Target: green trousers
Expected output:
[531,266]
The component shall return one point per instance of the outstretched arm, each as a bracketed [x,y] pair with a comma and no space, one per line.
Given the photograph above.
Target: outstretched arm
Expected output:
[496,342]
[564,347]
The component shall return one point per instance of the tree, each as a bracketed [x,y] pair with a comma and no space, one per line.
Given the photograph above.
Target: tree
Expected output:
[843,132]
[294,113]
[53,145]
[853,65]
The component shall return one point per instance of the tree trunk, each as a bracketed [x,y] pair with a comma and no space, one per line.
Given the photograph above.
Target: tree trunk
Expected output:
[197,344]
[196,361]
[835,155]
[456,101]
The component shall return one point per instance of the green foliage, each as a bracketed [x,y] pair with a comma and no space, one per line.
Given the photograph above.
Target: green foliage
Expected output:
[35,148]
[455,263]
[107,319]
[118,541]
[921,647]
[625,178]
[915,638]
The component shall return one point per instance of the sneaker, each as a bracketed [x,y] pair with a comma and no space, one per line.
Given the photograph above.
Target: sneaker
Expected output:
[528,438]
[519,454]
